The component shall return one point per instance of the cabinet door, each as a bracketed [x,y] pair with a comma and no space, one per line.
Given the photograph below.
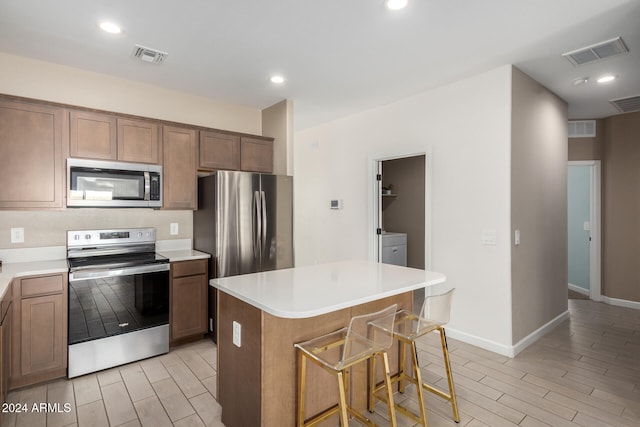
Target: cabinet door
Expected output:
[92,135]
[180,168]
[31,155]
[256,155]
[5,354]
[188,306]
[138,141]
[219,151]
[43,338]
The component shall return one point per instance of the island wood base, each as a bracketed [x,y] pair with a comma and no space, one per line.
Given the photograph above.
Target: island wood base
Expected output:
[257,381]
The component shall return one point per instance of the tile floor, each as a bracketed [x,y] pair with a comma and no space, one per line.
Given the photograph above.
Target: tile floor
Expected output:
[584,373]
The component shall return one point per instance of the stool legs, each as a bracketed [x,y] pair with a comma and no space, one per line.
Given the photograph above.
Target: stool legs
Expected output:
[342,408]
[447,364]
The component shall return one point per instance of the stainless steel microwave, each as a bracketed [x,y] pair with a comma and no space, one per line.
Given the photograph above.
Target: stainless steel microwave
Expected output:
[109,184]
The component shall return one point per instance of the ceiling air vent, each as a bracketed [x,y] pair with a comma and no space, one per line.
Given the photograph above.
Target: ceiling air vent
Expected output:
[596,52]
[149,55]
[582,128]
[627,105]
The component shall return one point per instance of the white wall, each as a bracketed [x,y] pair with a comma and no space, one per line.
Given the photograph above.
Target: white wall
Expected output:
[57,83]
[465,130]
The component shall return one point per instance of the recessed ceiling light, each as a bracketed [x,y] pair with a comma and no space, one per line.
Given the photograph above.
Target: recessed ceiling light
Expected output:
[580,81]
[396,4]
[606,79]
[110,27]
[277,79]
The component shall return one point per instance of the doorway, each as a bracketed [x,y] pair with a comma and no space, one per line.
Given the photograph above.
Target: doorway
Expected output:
[401,201]
[583,226]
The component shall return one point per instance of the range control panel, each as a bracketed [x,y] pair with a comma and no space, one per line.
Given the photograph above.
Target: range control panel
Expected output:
[81,238]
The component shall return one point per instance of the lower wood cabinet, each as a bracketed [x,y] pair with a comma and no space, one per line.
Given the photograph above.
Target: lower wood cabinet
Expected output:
[39,329]
[5,346]
[188,306]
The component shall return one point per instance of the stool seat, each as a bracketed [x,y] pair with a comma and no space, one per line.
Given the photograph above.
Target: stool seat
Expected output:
[367,337]
[407,328]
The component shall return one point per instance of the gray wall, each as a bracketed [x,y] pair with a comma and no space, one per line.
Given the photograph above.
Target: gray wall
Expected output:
[405,212]
[538,205]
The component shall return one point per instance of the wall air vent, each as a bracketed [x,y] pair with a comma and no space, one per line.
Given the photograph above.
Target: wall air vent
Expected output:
[149,55]
[627,105]
[596,52]
[582,128]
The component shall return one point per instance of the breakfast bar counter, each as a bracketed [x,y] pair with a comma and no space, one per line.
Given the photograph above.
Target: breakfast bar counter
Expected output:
[271,311]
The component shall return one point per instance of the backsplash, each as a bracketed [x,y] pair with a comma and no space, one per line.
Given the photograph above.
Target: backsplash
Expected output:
[48,228]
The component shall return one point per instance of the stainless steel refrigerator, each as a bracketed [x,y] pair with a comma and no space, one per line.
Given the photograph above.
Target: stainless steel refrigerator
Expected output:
[245,221]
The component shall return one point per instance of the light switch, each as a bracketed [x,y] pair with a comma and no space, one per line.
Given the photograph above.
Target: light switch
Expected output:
[173,229]
[516,237]
[586,226]
[17,235]
[489,237]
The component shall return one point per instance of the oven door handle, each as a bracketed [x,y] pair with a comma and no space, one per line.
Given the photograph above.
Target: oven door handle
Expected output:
[113,272]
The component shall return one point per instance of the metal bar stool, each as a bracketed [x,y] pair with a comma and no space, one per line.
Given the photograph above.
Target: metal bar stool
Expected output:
[407,328]
[367,336]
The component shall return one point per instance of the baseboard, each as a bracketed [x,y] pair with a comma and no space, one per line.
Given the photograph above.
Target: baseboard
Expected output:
[479,342]
[579,289]
[508,350]
[621,302]
[539,333]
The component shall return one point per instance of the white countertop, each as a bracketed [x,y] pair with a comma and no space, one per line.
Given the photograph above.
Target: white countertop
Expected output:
[12,270]
[313,290]
[184,255]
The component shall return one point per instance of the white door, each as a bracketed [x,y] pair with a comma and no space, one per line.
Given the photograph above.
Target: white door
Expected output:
[579,227]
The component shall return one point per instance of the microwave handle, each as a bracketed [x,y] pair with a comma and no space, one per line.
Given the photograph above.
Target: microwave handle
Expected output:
[147,186]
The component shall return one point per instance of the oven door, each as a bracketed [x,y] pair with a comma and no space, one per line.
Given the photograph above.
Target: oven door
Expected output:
[108,302]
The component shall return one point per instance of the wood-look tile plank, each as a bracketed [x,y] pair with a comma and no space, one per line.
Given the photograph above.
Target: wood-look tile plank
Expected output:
[200,368]
[539,413]
[61,393]
[92,415]
[136,382]
[186,380]
[86,389]
[190,421]
[151,413]
[590,410]
[207,408]
[154,370]
[109,376]
[172,399]
[119,407]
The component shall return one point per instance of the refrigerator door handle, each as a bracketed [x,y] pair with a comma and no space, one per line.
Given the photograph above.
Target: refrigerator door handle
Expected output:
[263,235]
[257,220]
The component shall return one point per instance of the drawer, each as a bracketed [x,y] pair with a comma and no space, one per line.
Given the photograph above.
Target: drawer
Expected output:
[188,268]
[41,285]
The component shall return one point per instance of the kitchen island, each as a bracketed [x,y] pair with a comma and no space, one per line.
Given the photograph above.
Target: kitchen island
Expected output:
[271,311]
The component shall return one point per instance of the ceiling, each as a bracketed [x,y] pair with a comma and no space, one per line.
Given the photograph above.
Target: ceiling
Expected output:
[338,56]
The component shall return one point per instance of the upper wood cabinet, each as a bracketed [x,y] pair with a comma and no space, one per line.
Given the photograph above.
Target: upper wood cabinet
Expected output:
[33,141]
[180,168]
[219,151]
[107,137]
[138,141]
[93,135]
[256,155]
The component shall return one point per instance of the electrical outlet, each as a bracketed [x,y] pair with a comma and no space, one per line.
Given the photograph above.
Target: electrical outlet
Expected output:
[17,235]
[237,334]
[173,229]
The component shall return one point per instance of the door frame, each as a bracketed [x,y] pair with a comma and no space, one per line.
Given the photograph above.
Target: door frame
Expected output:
[595,248]
[375,204]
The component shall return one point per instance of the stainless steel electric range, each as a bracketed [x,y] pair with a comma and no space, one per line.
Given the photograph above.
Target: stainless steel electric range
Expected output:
[118,298]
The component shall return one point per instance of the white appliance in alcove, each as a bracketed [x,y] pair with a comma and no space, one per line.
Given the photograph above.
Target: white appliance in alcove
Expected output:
[394,248]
